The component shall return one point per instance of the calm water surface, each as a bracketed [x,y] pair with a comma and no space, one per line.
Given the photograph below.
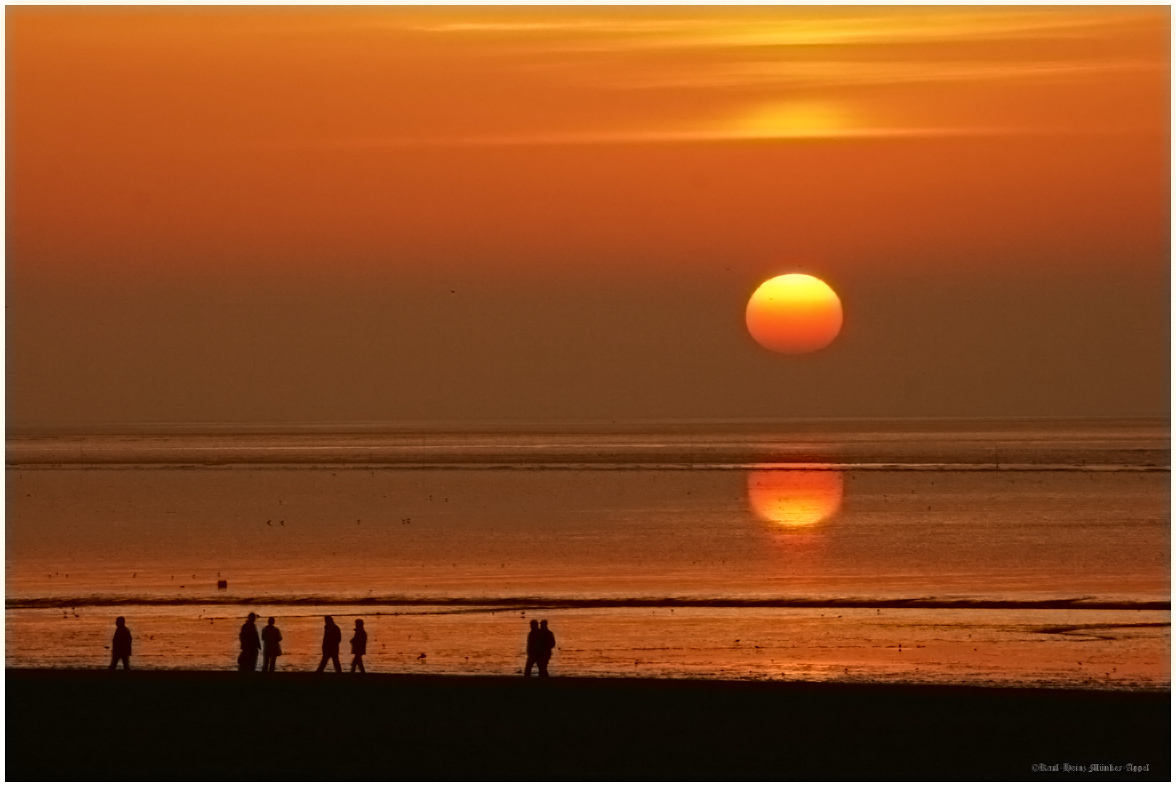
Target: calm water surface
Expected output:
[1007,553]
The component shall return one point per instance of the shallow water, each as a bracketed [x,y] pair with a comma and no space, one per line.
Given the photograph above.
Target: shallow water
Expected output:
[643,568]
[985,647]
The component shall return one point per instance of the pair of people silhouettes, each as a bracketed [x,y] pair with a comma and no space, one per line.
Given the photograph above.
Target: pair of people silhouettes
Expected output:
[540,644]
[331,639]
[251,644]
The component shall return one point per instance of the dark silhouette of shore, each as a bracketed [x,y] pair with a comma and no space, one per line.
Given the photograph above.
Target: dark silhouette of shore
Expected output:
[90,725]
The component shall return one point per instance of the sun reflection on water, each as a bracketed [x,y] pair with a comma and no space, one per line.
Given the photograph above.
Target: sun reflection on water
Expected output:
[795,501]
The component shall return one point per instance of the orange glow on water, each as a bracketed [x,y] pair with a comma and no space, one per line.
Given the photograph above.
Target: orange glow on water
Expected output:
[795,500]
[794,313]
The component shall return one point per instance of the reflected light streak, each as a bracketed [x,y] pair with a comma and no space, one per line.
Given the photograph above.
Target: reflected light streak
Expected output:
[795,500]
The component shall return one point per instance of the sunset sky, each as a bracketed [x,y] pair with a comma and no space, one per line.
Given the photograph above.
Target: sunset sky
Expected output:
[480,215]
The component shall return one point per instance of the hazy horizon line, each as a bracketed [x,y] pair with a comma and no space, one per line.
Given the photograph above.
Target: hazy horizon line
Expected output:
[522,425]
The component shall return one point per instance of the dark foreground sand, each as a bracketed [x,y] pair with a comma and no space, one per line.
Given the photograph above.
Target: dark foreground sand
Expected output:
[82,725]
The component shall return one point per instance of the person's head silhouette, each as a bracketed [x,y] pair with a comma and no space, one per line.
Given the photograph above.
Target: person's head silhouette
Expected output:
[120,621]
[330,621]
[534,625]
[358,625]
[251,617]
[271,621]
[543,624]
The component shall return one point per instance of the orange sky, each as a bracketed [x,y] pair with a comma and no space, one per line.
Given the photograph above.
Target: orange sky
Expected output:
[260,132]
[683,147]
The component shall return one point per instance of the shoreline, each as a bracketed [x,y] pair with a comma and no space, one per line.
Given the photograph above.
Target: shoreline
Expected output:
[163,724]
[1086,603]
[563,676]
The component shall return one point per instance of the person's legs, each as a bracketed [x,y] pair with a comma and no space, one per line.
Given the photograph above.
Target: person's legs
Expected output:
[338,666]
[357,663]
[322,664]
[530,666]
[543,666]
[126,660]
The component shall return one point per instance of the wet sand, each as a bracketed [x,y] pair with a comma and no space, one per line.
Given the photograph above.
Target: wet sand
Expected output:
[90,725]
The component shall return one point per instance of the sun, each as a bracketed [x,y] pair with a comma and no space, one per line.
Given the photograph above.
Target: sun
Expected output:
[794,313]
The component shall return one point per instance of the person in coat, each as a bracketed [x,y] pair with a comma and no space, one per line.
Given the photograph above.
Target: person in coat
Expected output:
[120,647]
[331,639]
[534,647]
[358,647]
[250,645]
[546,647]
[270,647]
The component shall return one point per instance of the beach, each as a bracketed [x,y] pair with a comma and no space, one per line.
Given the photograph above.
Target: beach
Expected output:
[800,602]
[182,725]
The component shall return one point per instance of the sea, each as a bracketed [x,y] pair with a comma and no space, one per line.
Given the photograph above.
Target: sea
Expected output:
[982,552]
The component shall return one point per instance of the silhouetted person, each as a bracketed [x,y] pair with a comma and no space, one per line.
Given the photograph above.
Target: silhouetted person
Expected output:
[120,647]
[358,647]
[546,646]
[534,647]
[270,649]
[331,639]
[250,645]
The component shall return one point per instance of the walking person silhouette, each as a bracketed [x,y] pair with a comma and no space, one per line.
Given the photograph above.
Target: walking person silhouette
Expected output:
[250,645]
[120,647]
[331,639]
[546,647]
[534,647]
[358,647]
[270,637]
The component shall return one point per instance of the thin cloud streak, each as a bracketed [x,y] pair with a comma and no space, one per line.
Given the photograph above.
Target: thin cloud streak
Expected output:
[651,137]
[832,73]
[782,30]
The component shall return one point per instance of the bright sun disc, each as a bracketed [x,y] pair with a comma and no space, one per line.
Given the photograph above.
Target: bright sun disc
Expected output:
[794,313]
